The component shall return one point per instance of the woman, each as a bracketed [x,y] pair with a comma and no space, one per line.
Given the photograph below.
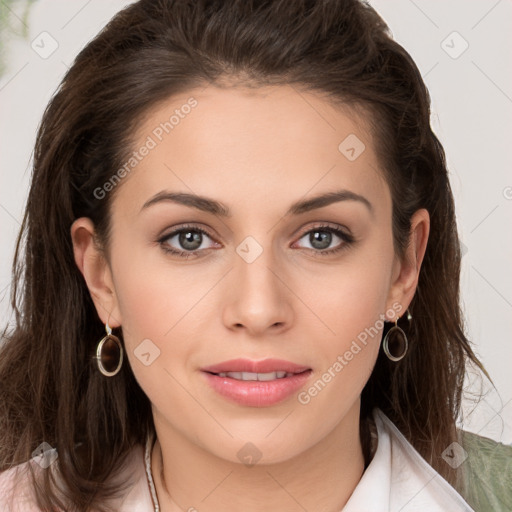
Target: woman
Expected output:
[241,276]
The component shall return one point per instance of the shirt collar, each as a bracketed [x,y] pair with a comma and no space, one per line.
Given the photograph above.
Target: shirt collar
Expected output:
[398,479]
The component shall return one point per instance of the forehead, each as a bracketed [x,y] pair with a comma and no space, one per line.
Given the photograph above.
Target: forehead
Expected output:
[253,147]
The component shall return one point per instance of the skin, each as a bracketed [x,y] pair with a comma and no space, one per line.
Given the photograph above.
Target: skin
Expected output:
[256,151]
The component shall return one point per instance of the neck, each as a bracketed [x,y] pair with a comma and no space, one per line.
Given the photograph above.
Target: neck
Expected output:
[322,478]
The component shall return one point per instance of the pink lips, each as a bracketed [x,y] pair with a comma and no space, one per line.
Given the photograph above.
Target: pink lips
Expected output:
[256,393]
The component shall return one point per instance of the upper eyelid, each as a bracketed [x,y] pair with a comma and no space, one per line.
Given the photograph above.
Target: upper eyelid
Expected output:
[326,225]
[185,227]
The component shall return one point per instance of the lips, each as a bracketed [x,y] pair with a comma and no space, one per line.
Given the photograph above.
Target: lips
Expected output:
[256,383]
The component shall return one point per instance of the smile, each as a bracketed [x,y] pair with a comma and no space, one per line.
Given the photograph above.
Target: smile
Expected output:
[256,383]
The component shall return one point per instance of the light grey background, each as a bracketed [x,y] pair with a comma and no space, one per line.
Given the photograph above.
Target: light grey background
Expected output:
[471,94]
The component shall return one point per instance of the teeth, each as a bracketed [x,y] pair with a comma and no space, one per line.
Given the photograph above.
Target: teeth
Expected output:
[255,376]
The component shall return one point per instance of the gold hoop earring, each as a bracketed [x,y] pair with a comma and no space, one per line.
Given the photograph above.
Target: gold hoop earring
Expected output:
[395,344]
[109,354]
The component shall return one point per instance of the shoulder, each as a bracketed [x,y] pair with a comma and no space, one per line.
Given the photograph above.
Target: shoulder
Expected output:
[487,472]
[17,494]
[16,489]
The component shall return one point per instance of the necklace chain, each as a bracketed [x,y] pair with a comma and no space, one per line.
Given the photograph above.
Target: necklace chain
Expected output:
[147,458]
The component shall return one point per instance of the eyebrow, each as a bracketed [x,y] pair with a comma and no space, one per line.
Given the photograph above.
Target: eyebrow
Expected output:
[209,205]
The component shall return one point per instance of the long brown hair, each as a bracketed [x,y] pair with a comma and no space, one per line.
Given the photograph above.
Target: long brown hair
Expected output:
[50,389]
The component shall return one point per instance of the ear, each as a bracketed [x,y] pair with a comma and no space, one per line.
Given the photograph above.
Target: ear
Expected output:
[96,271]
[406,271]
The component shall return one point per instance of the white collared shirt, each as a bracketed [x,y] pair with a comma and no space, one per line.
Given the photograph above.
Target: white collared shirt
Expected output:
[397,479]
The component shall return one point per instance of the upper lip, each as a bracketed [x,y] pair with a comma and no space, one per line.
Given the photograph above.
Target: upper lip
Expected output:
[248,365]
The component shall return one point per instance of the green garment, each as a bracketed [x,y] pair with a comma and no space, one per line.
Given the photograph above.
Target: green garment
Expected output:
[487,474]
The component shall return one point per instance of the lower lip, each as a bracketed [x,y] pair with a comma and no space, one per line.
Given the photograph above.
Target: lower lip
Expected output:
[257,393]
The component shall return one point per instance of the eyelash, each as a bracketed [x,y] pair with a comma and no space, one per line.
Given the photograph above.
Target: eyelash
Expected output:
[347,240]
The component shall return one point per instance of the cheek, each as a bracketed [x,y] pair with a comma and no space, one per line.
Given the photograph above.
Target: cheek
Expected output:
[353,314]
[161,304]
[349,302]
[352,309]
[156,304]
[154,294]
[349,297]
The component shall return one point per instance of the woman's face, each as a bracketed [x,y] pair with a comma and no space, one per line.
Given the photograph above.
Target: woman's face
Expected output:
[260,270]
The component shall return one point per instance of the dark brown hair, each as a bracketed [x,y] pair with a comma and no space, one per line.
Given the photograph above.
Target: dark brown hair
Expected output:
[50,390]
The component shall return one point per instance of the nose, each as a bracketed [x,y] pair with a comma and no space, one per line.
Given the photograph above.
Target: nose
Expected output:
[258,299]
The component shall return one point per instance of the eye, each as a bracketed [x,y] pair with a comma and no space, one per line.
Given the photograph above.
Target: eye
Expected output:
[186,241]
[322,237]
[189,241]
